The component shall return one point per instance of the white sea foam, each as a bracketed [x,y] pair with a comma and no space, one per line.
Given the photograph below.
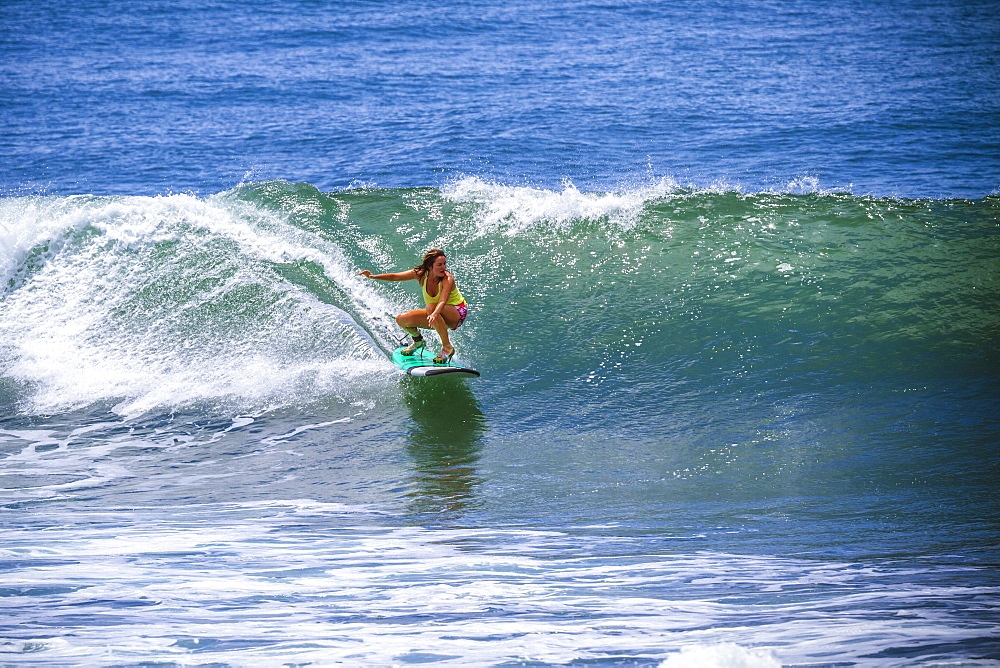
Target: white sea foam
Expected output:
[165,301]
[725,655]
[340,592]
[803,185]
[33,223]
[515,209]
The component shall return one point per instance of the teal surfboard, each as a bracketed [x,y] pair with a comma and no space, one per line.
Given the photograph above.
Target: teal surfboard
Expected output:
[422,363]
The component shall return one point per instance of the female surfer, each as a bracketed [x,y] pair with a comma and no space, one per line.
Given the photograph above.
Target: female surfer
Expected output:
[446,308]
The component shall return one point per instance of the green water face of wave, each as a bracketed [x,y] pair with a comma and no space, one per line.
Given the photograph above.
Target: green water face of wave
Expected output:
[661,277]
[627,292]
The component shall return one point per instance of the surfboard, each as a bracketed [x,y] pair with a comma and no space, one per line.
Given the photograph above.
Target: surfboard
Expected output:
[422,363]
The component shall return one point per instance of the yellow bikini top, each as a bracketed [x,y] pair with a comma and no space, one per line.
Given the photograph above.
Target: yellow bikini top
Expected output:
[455,298]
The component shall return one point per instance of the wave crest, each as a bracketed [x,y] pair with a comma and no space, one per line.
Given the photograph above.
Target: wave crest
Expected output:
[513,210]
[143,302]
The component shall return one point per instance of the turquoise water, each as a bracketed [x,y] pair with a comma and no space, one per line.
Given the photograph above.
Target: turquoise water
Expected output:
[752,427]
[733,275]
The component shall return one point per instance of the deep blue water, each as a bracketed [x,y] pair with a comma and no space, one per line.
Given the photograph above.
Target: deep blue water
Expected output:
[733,275]
[894,98]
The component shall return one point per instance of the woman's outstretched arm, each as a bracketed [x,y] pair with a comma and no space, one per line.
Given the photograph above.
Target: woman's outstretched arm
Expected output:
[407,275]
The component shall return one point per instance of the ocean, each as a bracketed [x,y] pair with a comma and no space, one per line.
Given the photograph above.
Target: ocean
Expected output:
[733,275]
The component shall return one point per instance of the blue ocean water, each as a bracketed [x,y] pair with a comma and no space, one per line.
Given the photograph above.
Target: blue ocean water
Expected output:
[895,98]
[733,274]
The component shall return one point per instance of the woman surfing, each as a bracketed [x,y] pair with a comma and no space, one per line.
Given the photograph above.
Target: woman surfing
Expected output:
[445,306]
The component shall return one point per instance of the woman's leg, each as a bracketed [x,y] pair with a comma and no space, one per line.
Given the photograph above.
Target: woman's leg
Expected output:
[410,321]
[448,319]
[413,321]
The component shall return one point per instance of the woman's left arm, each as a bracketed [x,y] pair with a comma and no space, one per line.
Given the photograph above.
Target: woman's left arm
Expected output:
[444,291]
